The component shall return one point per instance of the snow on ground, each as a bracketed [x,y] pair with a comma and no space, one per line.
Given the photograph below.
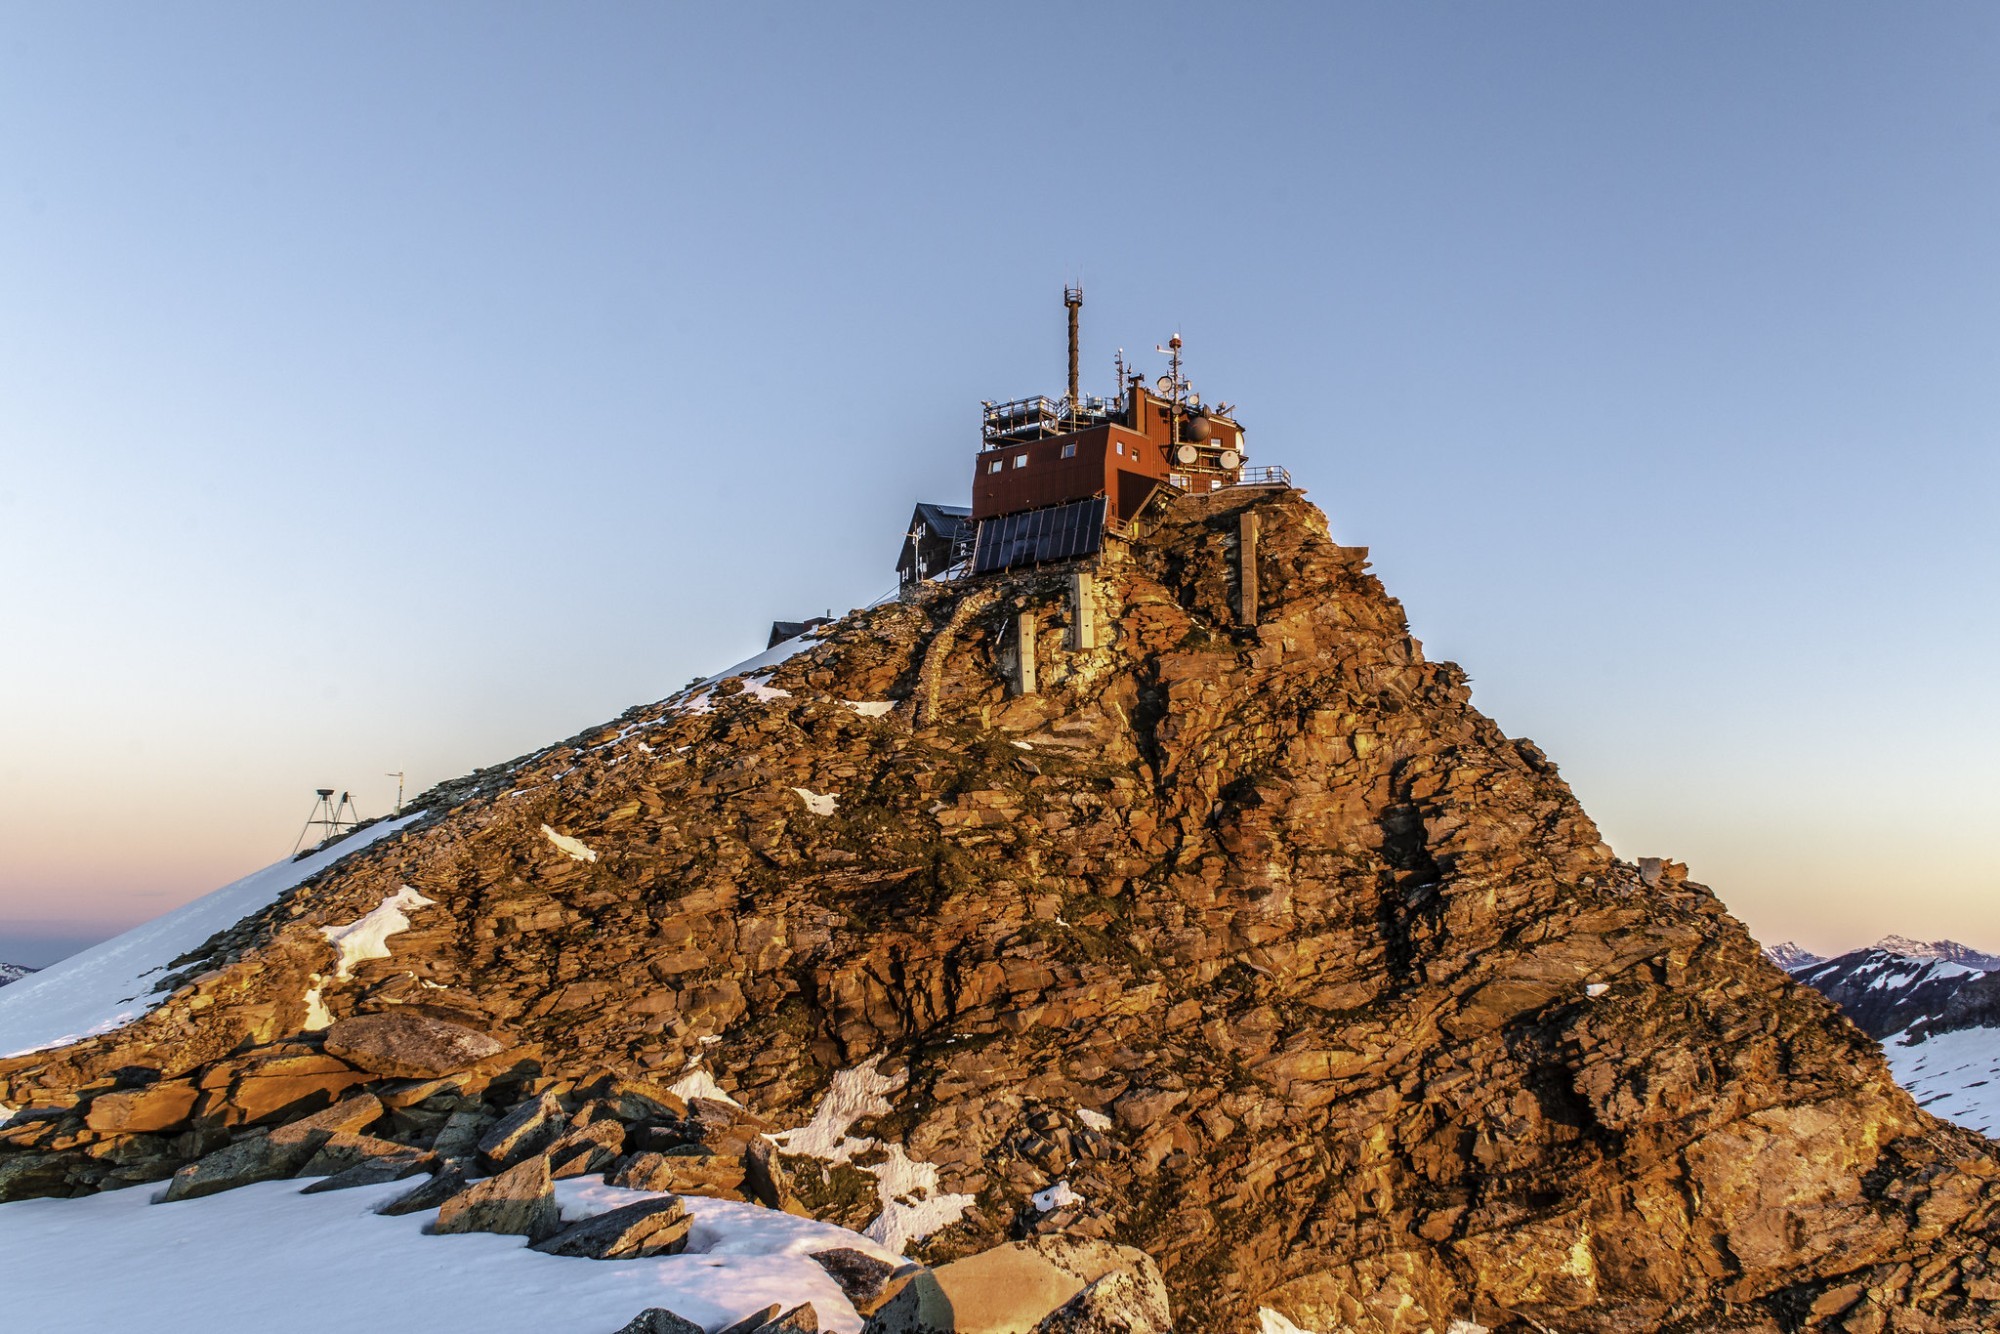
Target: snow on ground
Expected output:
[367,937]
[1056,1197]
[912,1205]
[1096,1120]
[573,847]
[1953,1075]
[109,985]
[264,1257]
[871,708]
[699,1083]
[819,803]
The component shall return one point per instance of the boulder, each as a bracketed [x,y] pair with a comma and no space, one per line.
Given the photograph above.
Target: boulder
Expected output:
[1124,1301]
[375,1170]
[801,1319]
[448,1182]
[764,1177]
[753,1322]
[867,1281]
[269,1157]
[461,1133]
[659,1320]
[408,1044]
[647,1227]
[159,1106]
[1011,1289]
[637,1100]
[590,1149]
[687,1169]
[347,1116]
[521,1202]
[528,1128]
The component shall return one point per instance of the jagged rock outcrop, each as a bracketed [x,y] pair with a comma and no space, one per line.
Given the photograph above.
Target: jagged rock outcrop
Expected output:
[1285,964]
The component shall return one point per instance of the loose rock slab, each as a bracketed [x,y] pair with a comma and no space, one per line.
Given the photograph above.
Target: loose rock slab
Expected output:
[520,1202]
[408,1044]
[647,1227]
[659,1320]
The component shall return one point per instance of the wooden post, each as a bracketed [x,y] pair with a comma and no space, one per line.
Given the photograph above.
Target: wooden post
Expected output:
[1246,569]
[1082,611]
[1024,634]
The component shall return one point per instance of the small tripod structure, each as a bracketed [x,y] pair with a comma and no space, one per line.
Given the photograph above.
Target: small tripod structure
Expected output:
[334,817]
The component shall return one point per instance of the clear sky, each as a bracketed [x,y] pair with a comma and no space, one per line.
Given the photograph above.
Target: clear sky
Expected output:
[407,386]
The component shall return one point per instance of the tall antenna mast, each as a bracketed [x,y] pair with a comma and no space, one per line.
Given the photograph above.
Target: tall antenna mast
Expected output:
[1073,302]
[398,776]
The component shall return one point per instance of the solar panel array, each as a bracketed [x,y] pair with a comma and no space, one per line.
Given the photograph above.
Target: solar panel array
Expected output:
[1061,532]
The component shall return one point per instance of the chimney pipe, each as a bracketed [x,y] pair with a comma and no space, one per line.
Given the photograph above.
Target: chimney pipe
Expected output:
[1073,301]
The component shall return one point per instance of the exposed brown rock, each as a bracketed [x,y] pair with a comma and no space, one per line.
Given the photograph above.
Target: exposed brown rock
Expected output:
[408,1044]
[1386,1036]
[867,1281]
[521,1201]
[631,1232]
[136,1111]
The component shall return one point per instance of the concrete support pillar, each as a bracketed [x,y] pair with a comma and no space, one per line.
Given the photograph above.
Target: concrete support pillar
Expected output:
[1024,635]
[1246,569]
[1082,610]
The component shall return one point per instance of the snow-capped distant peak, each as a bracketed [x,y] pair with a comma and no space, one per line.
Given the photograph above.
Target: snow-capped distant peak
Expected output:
[1948,951]
[1792,957]
[13,972]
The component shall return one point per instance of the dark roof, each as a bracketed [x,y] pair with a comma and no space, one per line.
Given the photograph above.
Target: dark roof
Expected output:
[944,520]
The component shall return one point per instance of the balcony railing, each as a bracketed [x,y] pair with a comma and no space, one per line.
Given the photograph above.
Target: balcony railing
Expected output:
[1269,474]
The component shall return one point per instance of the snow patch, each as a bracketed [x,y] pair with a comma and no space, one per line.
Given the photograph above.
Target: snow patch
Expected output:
[698,1083]
[873,708]
[912,1205]
[819,803]
[574,847]
[368,937]
[1058,1196]
[1096,1120]
[252,1258]
[318,1017]
[1271,1322]
[109,985]
[1596,989]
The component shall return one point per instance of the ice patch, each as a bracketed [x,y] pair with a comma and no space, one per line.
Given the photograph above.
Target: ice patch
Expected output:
[109,985]
[819,803]
[573,847]
[1058,1196]
[1096,1120]
[912,1206]
[368,937]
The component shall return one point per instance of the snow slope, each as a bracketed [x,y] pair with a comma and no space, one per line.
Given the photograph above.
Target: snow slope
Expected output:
[1954,1075]
[109,985]
[265,1258]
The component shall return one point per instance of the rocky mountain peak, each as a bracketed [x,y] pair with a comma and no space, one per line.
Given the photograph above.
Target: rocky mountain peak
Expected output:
[1082,903]
[1946,951]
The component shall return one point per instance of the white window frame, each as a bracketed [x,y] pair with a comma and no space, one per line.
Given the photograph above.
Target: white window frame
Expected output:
[1069,450]
[1020,460]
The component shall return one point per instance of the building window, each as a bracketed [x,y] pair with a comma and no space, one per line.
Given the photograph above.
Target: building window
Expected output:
[1069,450]
[1177,479]
[1020,460]
[1121,446]
[994,466]
[1215,483]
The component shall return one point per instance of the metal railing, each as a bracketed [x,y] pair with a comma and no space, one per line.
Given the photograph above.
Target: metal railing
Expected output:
[1038,416]
[1269,474]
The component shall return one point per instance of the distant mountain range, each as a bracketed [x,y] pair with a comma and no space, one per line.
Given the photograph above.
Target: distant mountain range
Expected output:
[13,972]
[1935,1008]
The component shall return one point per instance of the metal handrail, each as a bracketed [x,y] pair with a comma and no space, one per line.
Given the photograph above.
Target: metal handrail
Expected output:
[1269,474]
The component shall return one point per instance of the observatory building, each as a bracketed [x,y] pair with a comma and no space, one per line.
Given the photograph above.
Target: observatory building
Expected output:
[1052,476]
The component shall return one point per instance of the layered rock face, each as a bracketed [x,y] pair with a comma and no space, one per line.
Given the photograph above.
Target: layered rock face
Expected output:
[1253,946]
